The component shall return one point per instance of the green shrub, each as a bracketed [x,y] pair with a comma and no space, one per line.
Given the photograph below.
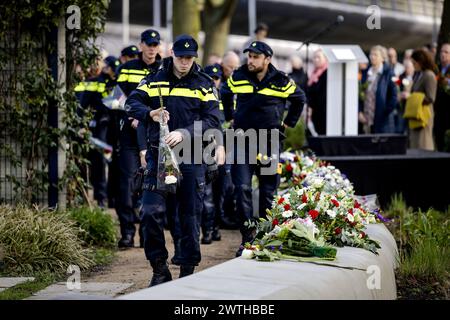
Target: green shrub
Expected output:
[295,137]
[98,227]
[36,240]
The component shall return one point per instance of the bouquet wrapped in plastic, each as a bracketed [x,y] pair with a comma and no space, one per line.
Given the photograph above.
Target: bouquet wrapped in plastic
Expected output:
[115,100]
[168,174]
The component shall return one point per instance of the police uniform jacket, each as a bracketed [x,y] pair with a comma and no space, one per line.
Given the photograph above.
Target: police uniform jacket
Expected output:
[90,94]
[130,74]
[261,104]
[191,98]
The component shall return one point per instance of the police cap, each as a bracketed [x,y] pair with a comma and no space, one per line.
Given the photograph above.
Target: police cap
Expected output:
[214,70]
[259,47]
[150,36]
[129,51]
[185,45]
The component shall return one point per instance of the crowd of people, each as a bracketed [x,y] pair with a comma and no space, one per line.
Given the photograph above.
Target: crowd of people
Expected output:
[385,85]
[227,93]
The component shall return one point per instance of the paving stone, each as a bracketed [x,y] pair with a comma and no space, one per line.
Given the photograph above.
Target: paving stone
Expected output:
[8,282]
[88,290]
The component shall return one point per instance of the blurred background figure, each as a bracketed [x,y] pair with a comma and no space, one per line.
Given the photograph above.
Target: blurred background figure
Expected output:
[407,55]
[442,105]
[425,82]
[298,73]
[316,93]
[380,95]
[261,32]
[396,66]
[230,62]
[128,53]
[405,82]
[213,59]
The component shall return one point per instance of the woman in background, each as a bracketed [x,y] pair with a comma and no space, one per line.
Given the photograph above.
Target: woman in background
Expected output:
[424,81]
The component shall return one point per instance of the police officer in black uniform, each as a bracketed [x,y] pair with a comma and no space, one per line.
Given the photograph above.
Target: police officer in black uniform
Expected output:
[262,92]
[132,135]
[211,213]
[129,53]
[90,95]
[188,95]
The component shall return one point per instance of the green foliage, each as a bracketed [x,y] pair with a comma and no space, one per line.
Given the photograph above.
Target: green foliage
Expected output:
[423,239]
[98,227]
[35,240]
[30,92]
[26,289]
[295,137]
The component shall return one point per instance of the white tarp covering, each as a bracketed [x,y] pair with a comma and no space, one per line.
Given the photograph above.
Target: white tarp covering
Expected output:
[286,280]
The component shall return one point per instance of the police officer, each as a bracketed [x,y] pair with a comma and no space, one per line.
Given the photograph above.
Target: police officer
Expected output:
[188,96]
[90,95]
[129,53]
[262,92]
[132,135]
[211,213]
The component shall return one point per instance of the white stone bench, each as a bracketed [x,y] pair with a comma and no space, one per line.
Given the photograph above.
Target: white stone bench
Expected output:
[285,280]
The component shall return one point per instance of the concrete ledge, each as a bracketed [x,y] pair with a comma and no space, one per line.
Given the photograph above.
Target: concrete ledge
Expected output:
[287,280]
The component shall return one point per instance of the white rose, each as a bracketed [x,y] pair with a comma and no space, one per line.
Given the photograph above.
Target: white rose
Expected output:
[350,217]
[115,104]
[287,214]
[170,179]
[247,254]
[331,213]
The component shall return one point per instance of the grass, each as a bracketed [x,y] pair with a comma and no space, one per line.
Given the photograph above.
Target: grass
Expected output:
[423,239]
[26,289]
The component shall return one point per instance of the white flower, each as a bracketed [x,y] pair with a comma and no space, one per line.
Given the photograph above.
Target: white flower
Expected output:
[170,179]
[115,104]
[341,193]
[308,162]
[247,254]
[317,183]
[331,213]
[300,207]
[350,217]
[287,214]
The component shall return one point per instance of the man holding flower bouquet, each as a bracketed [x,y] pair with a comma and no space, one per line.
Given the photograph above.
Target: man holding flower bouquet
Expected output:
[170,101]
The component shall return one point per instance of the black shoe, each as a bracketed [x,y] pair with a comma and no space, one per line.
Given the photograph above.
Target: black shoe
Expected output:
[161,272]
[126,241]
[239,251]
[216,236]
[207,237]
[227,223]
[176,255]
[186,270]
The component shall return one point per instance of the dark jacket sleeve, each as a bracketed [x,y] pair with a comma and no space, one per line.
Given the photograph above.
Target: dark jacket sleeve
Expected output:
[297,100]
[227,101]
[138,104]
[391,95]
[141,133]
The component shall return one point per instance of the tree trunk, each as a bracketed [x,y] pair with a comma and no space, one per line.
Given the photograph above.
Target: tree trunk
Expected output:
[217,19]
[444,33]
[186,17]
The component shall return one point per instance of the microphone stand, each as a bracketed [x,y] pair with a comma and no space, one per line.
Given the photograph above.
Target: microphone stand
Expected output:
[316,36]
